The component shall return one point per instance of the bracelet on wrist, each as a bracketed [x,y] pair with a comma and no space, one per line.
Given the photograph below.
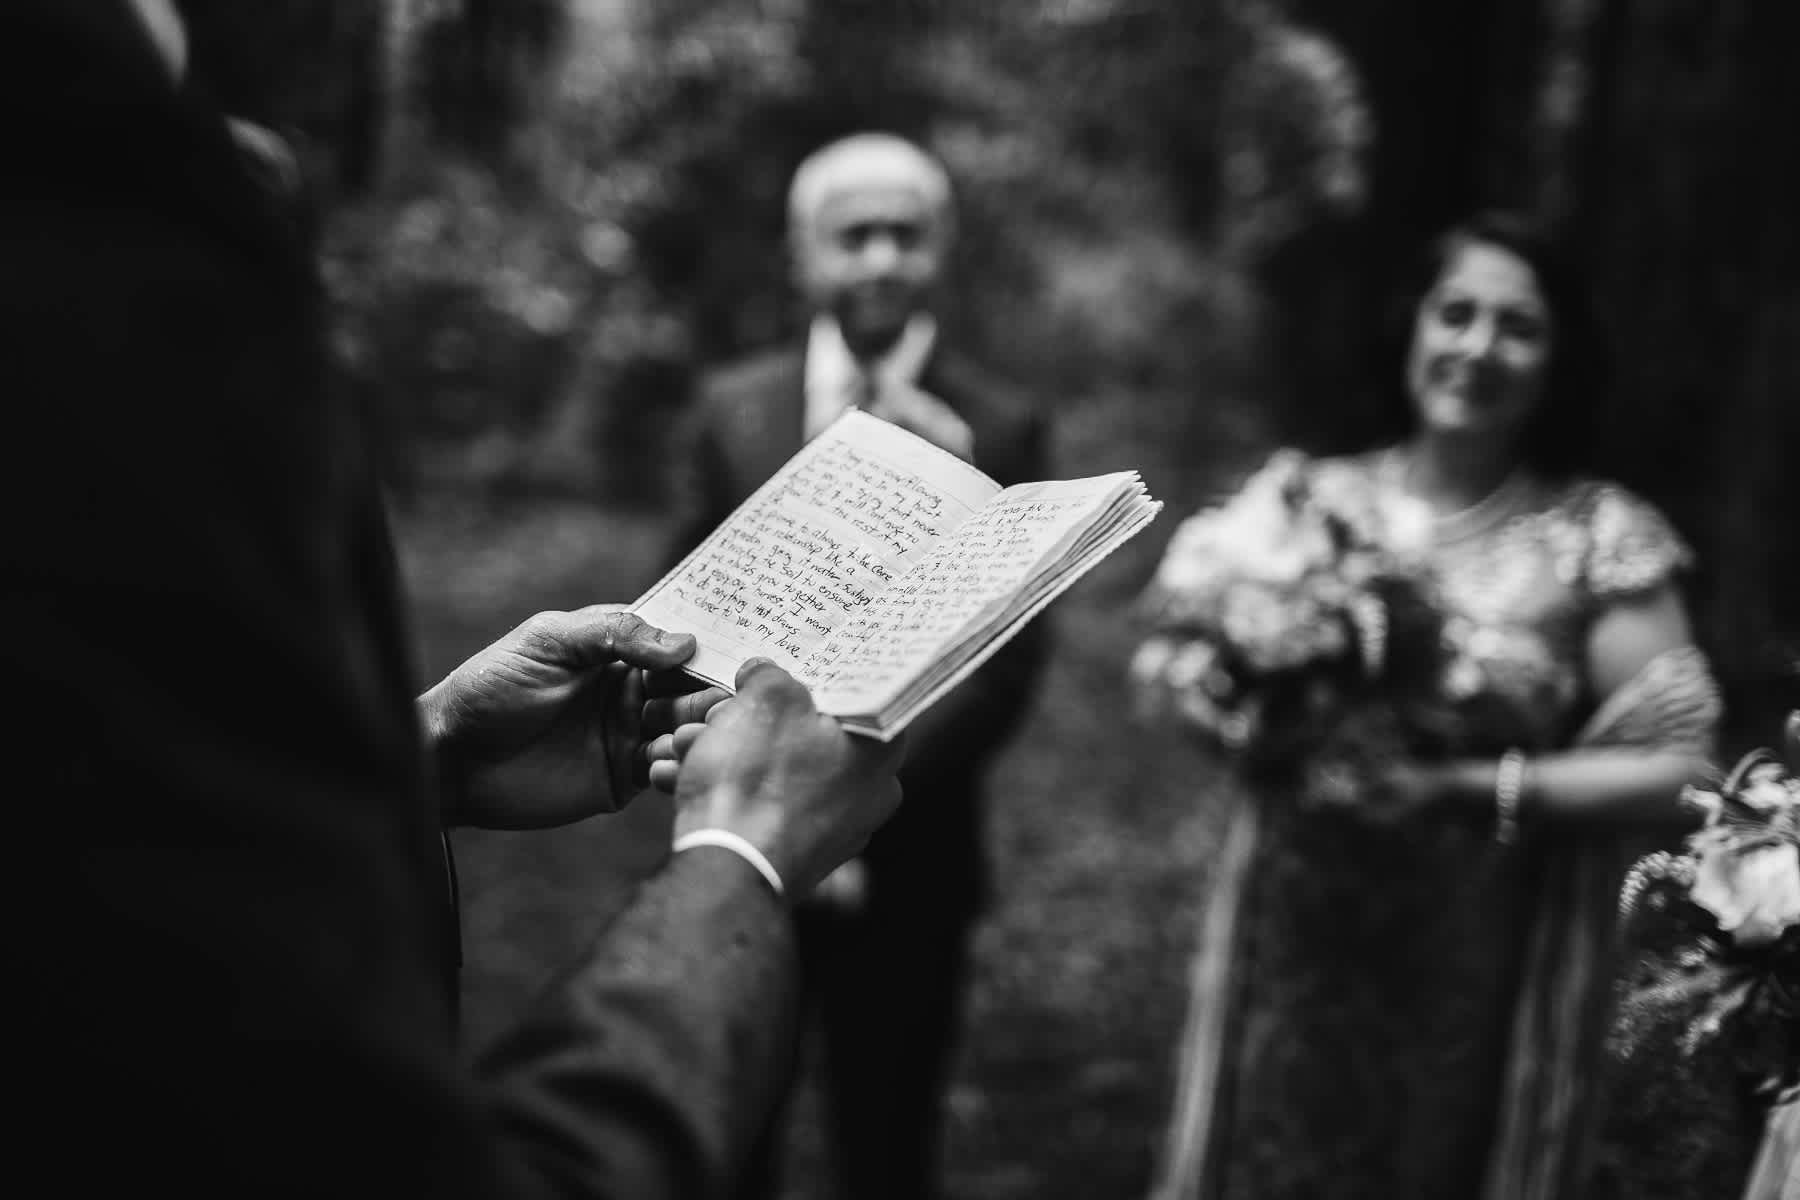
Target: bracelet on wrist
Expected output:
[741,846]
[1509,791]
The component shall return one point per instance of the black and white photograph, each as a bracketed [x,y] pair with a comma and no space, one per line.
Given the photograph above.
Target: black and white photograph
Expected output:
[904,599]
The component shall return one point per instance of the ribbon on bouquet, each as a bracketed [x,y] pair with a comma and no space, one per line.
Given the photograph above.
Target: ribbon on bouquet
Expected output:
[1183,1160]
[1776,1173]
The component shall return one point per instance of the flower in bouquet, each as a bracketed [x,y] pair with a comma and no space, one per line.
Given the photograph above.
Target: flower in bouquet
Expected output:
[1734,897]
[1292,606]
[1747,857]
[1495,681]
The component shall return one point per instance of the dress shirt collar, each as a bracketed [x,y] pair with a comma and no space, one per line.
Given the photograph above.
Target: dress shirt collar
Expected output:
[831,370]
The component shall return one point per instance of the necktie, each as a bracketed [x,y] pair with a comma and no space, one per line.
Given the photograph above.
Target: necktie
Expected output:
[865,389]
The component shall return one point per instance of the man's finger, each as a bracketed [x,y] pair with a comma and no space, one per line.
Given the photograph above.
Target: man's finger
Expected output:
[658,719]
[667,715]
[601,634]
[673,747]
[754,667]
[767,691]
[664,775]
[683,739]
[675,683]
[623,721]
[661,749]
[692,709]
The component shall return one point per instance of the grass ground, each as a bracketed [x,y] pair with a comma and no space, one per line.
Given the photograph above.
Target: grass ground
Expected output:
[1098,829]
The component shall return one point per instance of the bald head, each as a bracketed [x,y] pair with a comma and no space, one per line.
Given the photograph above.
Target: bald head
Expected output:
[869,221]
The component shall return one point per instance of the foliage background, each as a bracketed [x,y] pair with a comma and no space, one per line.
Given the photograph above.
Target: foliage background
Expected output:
[1179,223]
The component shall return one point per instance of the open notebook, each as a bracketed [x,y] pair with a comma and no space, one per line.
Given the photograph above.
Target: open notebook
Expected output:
[881,570]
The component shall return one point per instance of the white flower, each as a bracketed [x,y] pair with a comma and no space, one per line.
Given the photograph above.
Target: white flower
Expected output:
[1767,789]
[1463,678]
[1191,563]
[1151,661]
[1345,491]
[1276,630]
[1710,804]
[1193,665]
[1258,624]
[1383,519]
[1256,535]
[1753,892]
[1296,552]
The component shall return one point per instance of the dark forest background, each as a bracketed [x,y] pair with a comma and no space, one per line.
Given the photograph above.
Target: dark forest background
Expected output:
[1181,221]
[545,214]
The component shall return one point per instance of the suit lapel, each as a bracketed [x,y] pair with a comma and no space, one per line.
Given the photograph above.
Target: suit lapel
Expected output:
[944,378]
[935,378]
[768,418]
[787,405]
[1003,436]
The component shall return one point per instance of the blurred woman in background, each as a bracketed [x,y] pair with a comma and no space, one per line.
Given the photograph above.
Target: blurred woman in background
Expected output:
[1405,995]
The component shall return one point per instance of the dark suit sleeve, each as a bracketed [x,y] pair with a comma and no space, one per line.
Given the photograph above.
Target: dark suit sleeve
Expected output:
[647,1070]
[233,972]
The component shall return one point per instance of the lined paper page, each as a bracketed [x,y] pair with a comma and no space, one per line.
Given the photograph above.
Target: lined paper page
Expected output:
[815,546]
[965,580]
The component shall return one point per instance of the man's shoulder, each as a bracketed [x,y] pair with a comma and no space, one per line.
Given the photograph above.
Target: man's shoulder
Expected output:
[752,376]
[977,391]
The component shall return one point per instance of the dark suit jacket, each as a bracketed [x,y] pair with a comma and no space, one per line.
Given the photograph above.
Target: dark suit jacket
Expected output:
[234,970]
[747,420]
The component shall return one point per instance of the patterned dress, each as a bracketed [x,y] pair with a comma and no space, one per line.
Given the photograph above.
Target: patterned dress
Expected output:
[1374,970]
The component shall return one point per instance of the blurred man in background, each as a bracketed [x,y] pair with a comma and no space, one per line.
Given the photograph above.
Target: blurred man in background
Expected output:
[884,945]
[239,964]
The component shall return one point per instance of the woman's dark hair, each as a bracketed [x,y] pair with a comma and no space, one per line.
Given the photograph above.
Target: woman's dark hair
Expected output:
[1559,435]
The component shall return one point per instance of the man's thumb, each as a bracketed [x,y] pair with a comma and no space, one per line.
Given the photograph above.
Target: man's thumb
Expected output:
[599,635]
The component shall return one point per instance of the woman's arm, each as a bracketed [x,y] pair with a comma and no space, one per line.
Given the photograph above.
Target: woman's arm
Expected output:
[1625,786]
[1635,785]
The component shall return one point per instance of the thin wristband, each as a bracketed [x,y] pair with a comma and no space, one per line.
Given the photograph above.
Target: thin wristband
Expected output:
[740,846]
[1509,790]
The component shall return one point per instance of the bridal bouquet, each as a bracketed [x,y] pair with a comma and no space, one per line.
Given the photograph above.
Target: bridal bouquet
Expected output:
[1726,966]
[1292,626]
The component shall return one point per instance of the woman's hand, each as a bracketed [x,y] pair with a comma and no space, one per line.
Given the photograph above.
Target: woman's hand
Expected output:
[1401,789]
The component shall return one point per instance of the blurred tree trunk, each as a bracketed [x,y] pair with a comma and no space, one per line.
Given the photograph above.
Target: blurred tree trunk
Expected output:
[863,54]
[1445,86]
[349,97]
[1444,81]
[1683,202]
[484,71]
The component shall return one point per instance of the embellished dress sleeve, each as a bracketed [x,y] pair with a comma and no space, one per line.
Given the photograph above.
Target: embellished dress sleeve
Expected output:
[1631,547]
[1632,550]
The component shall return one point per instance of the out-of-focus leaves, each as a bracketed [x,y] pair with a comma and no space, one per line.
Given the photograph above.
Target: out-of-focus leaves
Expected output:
[527,299]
